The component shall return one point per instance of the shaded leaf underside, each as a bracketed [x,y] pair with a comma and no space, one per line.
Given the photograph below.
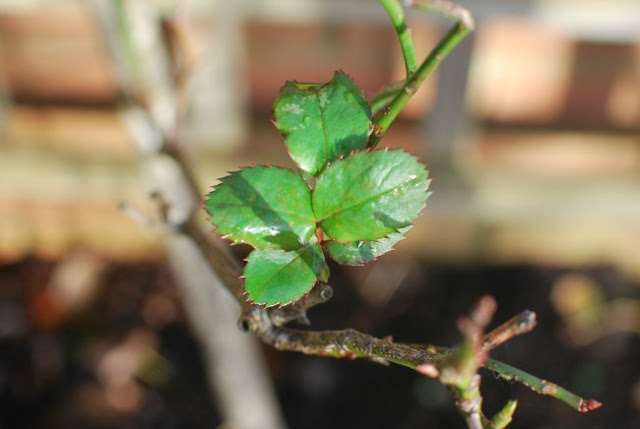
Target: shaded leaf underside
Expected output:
[361,252]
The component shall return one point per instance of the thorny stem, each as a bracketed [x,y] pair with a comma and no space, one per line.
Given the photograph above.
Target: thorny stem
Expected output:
[454,367]
[542,387]
[414,80]
[388,115]
[348,343]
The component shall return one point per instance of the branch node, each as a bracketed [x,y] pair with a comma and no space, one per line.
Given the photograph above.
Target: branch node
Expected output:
[548,388]
[255,319]
[297,311]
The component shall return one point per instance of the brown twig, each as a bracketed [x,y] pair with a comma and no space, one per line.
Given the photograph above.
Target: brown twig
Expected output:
[518,325]
[150,110]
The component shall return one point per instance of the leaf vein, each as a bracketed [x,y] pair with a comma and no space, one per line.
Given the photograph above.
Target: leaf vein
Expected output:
[267,208]
[362,202]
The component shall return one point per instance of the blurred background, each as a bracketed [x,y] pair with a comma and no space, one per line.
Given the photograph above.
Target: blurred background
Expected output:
[531,130]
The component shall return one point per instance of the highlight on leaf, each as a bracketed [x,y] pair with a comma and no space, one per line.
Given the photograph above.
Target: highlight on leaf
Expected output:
[321,122]
[370,195]
[278,277]
[266,207]
[361,252]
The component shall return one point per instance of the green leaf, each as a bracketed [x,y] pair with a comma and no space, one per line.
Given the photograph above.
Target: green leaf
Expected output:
[320,123]
[369,195]
[277,277]
[361,252]
[266,207]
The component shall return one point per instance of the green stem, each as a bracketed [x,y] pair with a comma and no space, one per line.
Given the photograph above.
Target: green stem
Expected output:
[396,14]
[445,8]
[446,45]
[542,387]
[502,419]
[381,99]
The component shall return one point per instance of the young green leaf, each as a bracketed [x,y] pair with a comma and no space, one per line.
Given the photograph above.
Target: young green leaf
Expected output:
[322,122]
[369,195]
[276,277]
[360,252]
[266,207]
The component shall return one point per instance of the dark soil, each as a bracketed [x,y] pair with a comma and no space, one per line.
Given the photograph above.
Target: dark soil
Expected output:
[49,377]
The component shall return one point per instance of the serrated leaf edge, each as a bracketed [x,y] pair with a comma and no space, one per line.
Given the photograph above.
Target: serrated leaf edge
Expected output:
[248,299]
[320,85]
[213,188]
[397,231]
[370,150]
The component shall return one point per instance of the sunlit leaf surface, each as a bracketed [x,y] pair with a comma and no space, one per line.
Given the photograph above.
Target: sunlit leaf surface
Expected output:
[266,207]
[370,195]
[320,123]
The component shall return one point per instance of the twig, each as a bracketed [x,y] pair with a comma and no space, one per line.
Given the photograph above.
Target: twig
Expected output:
[320,294]
[237,374]
[460,371]
[518,325]
[446,8]
[183,47]
[347,343]
[542,387]
[137,215]
[414,80]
